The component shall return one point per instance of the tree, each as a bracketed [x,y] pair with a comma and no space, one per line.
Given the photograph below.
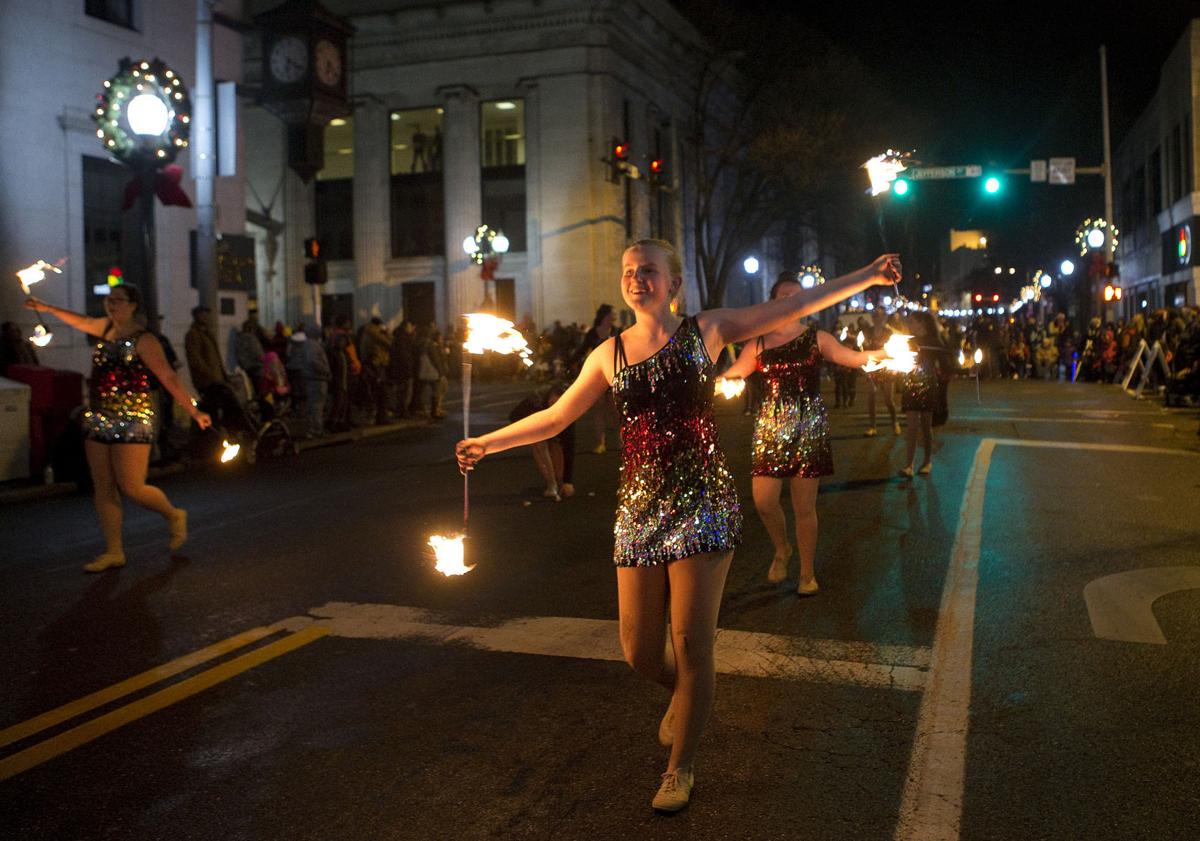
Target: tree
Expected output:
[778,139]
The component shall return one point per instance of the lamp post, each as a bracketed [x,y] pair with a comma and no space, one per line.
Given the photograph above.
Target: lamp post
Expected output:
[143,118]
[486,248]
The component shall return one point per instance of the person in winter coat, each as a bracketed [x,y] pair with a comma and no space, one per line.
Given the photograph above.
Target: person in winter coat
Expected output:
[343,365]
[402,361]
[376,346]
[431,373]
[308,369]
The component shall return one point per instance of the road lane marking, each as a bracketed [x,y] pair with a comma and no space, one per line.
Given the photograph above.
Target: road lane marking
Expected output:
[1031,419]
[119,690]
[737,652]
[82,734]
[1120,606]
[931,806]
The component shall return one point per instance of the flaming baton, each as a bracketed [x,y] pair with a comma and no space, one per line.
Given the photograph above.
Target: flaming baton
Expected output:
[28,276]
[898,357]
[484,332]
[730,388]
[882,170]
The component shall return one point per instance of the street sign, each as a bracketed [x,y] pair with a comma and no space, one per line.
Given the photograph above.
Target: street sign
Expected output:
[1062,171]
[941,173]
[1037,172]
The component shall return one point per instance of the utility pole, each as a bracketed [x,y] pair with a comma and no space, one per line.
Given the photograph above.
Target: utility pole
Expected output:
[1108,193]
[204,158]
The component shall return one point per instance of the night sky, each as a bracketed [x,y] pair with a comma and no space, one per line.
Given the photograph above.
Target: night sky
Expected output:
[985,84]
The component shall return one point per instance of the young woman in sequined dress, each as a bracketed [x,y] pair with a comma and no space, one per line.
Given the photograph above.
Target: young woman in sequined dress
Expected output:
[678,519]
[119,422]
[919,390]
[791,430]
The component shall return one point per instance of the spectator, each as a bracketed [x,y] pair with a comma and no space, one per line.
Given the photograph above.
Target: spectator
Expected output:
[16,349]
[248,349]
[374,351]
[555,457]
[217,398]
[431,372]
[308,370]
[402,360]
[343,366]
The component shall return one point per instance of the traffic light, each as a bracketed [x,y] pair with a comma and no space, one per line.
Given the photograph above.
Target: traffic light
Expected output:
[978,297]
[658,172]
[618,161]
[992,185]
[312,248]
[316,273]
[901,187]
[1112,293]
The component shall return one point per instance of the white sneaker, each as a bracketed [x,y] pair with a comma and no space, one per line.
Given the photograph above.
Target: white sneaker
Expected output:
[871,432]
[675,791]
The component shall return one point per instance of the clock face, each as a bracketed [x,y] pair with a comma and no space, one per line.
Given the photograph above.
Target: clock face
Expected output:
[289,59]
[328,63]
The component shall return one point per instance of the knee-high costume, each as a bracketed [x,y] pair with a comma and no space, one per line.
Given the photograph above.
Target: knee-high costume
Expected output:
[791,432]
[120,402]
[676,497]
[919,388]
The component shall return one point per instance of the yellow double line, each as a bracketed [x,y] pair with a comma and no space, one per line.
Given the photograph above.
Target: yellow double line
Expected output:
[82,734]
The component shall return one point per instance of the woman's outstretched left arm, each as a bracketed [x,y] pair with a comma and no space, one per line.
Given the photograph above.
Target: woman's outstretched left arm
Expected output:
[722,326]
[839,354]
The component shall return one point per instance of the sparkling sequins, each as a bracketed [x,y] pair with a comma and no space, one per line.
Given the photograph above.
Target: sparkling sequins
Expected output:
[677,498]
[120,406]
[791,432]
[919,387]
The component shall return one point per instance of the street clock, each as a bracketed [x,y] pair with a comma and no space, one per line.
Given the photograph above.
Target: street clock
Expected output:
[304,82]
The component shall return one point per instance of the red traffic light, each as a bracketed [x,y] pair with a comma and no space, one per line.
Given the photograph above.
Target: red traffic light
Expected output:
[656,166]
[312,248]
[996,297]
[621,151]
[978,296]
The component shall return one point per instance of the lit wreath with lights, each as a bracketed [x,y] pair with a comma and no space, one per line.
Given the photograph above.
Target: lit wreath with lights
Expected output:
[485,244]
[810,276]
[1089,225]
[143,79]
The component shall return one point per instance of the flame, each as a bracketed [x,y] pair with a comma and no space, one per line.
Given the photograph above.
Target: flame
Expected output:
[730,388]
[898,357]
[488,332]
[229,451]
[861,340]
[978,355]
[883,169]
[41,336]
[845,332]
[449,554]
[962,359]
[35,273]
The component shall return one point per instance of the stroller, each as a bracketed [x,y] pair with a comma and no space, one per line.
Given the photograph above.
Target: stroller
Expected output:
[255,417]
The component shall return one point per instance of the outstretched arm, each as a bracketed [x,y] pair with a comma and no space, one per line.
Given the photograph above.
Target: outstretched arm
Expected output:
[839,354]
[745,363]
[151,353]
[83,323]
[586,390]
[722,326]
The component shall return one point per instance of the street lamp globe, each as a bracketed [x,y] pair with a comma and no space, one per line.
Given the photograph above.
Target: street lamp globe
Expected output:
[1067,268]
[1045,280]
[147,115]
[808,280]
[750,264]
[470,247]
[1095,238]
[500,244]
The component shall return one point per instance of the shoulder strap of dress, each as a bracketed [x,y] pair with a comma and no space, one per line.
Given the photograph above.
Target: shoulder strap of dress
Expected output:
[760,344]
[619,360]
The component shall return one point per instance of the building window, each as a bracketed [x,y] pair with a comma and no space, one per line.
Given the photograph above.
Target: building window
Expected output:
[418,195]
[502,130]
[103,228]
[117,12]
[335,192]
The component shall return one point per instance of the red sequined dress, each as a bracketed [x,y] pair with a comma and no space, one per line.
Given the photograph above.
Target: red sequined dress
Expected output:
[791,432]
[676,497]
[120,405]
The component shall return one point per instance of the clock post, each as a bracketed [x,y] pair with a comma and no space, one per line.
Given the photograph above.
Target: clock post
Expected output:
[304,83]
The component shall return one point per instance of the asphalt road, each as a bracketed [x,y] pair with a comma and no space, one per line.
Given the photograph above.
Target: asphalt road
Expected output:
[971,669]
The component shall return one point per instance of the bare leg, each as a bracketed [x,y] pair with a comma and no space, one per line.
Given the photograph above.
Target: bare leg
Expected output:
[642,605]
[556,460]
[926,437]
[804,504]
[105,496]
[129,464]
[541,457]
[766,500]
[910,437]
[889,398]
[696,587]
[871,401]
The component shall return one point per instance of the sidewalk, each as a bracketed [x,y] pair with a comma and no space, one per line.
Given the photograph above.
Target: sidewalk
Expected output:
[28,491]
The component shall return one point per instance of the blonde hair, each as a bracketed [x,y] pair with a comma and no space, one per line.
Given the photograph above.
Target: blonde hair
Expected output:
[674,263]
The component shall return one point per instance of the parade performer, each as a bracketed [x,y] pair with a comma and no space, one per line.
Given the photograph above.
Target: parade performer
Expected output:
[678,518]
[791,430]
[881,381]
[119,422]
[920,390]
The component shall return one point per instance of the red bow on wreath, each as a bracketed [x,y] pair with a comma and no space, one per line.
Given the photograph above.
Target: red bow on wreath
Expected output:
[166,187]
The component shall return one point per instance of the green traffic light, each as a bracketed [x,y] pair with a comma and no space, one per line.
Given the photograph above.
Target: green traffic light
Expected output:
[992,185]
[900,187]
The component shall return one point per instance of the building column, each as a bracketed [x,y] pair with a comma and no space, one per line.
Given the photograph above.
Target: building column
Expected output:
[462,182]
[533,202]
[299,214]
[372,212]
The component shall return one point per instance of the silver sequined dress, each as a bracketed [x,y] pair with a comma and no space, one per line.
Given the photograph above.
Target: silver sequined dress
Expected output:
[676,498]
[791,432]
[120,405]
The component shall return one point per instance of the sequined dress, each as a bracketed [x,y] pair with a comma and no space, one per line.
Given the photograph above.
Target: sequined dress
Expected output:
[919,388]
[791,432]
[676,497]
[120,406]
